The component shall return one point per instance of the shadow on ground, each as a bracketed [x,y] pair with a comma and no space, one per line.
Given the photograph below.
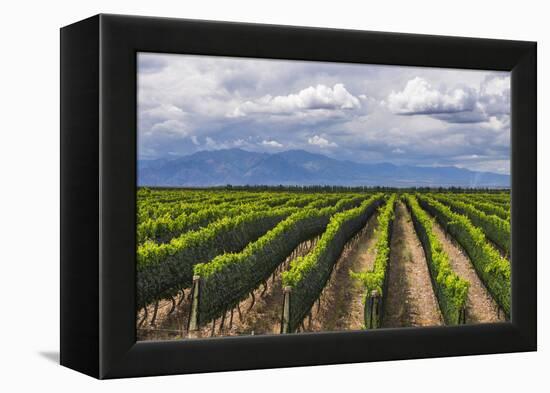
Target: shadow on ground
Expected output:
[52,356]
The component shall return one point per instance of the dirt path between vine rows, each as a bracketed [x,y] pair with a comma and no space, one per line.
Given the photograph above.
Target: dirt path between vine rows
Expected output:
[265,315]
[341,302]
[410,299]
[480,306]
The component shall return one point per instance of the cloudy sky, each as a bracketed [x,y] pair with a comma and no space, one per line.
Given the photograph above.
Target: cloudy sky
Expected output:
[357,112]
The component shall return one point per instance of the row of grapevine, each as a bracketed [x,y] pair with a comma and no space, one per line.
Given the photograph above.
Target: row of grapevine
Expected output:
[162,195]
[496,229]
[502,200]
[492,269]
[165,228]
[375,281]
[164,269]
[308,275]
[229,278]
[151,210]
[451,290]
[489,208]
[169,221]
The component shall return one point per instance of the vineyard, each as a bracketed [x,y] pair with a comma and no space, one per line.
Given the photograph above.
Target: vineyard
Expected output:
[222,262]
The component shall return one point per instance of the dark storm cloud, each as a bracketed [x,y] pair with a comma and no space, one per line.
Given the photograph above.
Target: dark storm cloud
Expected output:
[461,117]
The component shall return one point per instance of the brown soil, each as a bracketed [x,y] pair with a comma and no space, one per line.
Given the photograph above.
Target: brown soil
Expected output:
[410,299]
[480,306]
[341,303]
[263,318]
[166,326]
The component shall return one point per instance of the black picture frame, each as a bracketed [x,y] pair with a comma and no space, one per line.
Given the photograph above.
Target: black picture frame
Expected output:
[98,195]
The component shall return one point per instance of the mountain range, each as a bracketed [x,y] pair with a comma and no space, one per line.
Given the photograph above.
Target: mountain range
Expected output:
[299,167]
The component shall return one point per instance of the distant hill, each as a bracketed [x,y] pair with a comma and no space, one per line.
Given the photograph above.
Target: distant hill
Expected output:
[299,167]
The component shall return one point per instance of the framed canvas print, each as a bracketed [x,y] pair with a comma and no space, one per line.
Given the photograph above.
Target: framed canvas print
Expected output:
[239,196]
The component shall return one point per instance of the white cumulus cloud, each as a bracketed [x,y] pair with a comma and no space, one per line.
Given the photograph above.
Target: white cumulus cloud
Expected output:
[419,97]
[497,123]
[488,104]
[175,127]
[321,142]
[495,95]
[272,144]
[310,98]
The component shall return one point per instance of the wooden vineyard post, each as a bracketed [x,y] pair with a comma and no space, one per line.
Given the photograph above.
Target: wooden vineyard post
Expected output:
[372,310]
[367,312]
[285,318]
[193,323]
[462,316]
[376,308]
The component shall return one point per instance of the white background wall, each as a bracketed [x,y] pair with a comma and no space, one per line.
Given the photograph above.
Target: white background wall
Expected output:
[29,195]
